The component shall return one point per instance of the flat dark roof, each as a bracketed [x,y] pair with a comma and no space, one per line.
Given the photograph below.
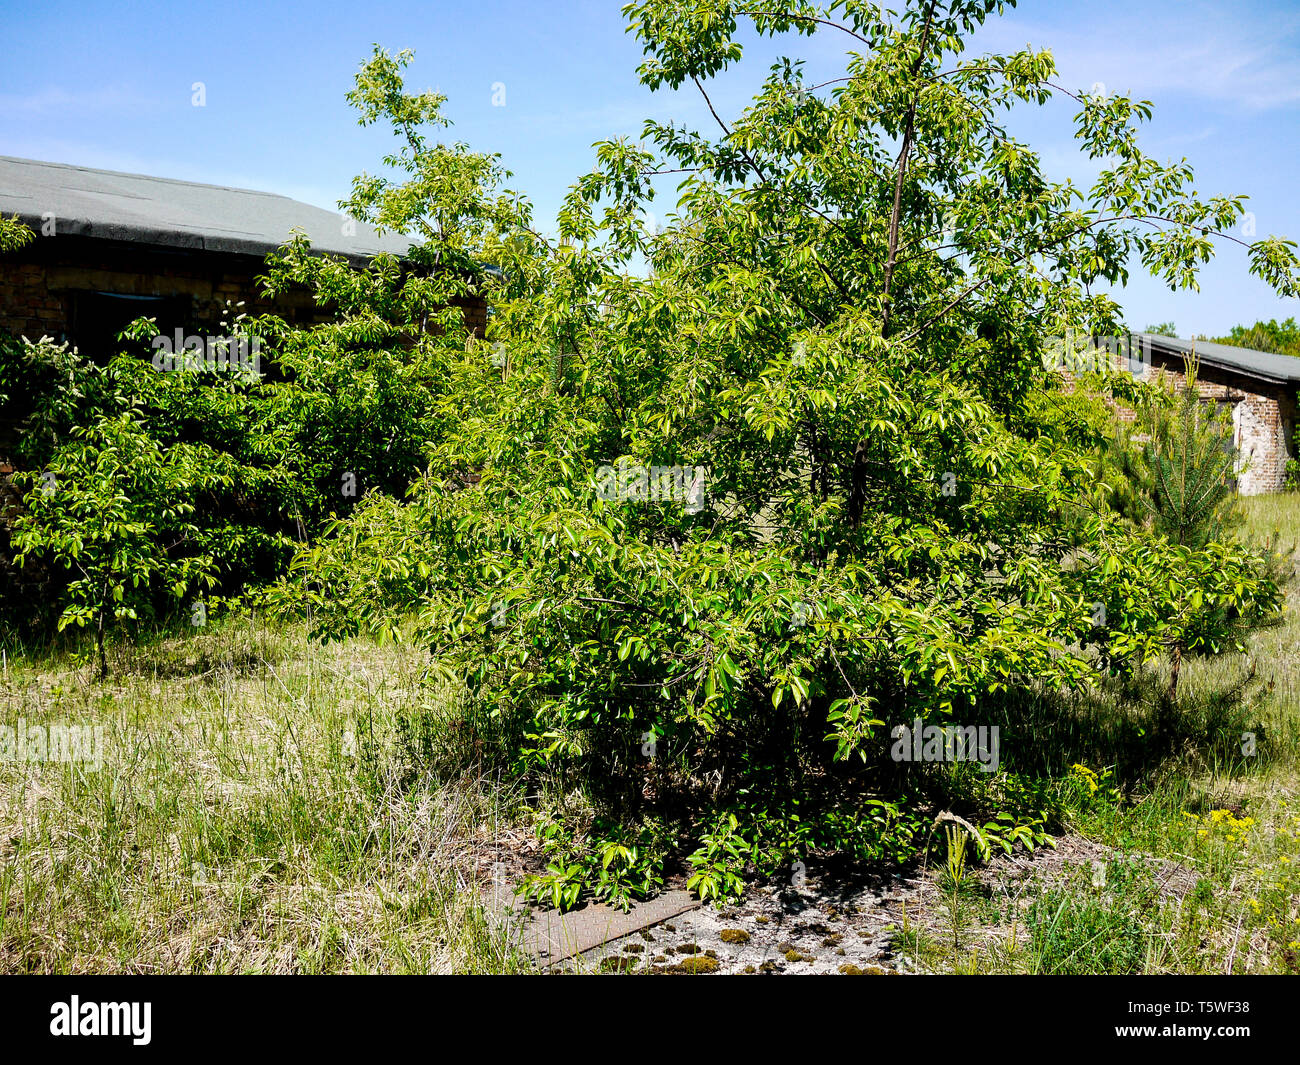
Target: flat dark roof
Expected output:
[163,212]
[1279,369]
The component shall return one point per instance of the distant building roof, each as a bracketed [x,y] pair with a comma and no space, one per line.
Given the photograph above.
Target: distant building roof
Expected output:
[108,205]
[1280,369]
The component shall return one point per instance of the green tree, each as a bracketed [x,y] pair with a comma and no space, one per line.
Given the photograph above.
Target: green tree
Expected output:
[1280,338]
[1188,465]
[13,234]
[111,509]
[703,536]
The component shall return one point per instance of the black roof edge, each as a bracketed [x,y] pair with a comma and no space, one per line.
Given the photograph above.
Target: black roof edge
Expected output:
[156,238]
[1219,364]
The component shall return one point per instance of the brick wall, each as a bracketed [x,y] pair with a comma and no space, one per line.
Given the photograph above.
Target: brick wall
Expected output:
[1263,419]
[38,285]
[27,307]
[475,315]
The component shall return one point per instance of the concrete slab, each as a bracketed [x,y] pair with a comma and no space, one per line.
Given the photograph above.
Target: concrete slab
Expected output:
[552,937]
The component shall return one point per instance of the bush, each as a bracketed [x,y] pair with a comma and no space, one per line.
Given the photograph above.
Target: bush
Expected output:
[709,534]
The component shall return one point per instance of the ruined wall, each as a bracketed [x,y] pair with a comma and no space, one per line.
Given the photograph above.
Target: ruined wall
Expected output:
[1263,418]
[39,284]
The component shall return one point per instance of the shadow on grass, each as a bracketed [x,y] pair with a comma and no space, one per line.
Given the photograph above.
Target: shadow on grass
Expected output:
[1131,727]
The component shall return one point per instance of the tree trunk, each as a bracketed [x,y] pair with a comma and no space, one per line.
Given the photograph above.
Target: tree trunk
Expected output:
[900,172]
[1175,663]
[99,646]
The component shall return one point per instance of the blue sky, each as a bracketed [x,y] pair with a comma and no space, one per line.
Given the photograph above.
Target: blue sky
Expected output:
[109,85]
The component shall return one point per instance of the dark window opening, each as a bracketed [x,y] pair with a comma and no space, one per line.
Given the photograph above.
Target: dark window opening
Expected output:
[97,317]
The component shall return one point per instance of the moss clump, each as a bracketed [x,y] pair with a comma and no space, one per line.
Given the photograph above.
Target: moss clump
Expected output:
[870,970]
[734,935]
[689,948]
[769,966]
[832,940]
[619,965]
[696,966]
[749,970]
[793,955]
[785,946]
[633,948]
[851,970]
[761,920]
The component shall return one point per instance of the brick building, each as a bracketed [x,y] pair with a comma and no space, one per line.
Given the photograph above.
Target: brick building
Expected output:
[113,247]
[1260,387]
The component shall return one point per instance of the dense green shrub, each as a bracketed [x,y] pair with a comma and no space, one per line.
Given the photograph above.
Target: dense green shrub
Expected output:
[704,536]
[347,408]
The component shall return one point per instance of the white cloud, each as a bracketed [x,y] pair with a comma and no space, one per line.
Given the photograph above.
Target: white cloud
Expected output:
[1212,54]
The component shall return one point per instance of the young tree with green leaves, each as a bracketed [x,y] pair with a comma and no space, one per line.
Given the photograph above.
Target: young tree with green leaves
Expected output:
[841,336]
[112,508]
[1188,463]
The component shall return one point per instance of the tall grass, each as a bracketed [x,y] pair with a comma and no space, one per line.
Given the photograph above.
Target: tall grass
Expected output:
[255,811]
